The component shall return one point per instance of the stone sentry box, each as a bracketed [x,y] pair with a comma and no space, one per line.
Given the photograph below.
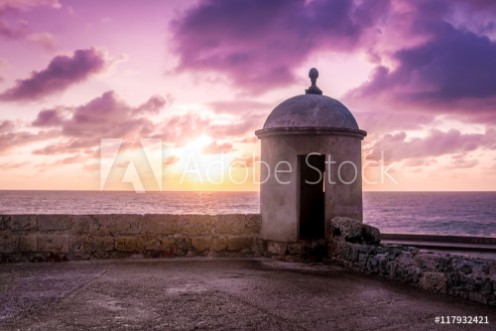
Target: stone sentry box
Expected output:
[310,167]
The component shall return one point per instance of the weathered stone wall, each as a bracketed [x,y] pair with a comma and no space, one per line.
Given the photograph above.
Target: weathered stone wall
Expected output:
[76,237]
[356,246]
[300,251]
[352,244]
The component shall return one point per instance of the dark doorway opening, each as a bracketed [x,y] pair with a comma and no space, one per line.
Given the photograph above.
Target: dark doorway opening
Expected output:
[312,196]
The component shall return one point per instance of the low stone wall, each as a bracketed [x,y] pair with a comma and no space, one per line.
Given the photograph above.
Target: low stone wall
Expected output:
[356,246]
[76,237]
[299,251]
[352,244]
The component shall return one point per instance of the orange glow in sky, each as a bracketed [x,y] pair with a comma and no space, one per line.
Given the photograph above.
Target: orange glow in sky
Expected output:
[182,85]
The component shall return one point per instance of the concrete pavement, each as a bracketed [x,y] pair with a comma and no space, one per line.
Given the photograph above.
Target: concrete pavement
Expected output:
[215,294]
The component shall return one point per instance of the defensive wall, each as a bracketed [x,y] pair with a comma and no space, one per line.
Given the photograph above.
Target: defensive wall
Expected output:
[356,246]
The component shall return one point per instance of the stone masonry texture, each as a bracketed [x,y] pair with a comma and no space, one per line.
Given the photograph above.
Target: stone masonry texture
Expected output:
[356,246]
[352,244]
[82,237]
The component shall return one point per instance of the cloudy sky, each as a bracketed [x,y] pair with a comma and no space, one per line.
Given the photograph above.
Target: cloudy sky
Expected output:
[200,77]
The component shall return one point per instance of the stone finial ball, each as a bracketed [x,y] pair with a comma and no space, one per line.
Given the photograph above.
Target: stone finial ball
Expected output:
[313,73]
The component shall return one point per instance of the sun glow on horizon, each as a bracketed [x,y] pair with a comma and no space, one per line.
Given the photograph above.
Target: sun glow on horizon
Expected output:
[200,78]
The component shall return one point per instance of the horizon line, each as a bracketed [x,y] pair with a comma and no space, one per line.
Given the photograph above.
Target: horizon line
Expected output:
[237,191]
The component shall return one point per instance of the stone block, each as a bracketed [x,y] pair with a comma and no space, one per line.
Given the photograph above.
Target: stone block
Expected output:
[160,224]
[219,244]
[4,222]
[258,246]
[28,243]
[427,261]
[354,231]
[102,244]
[481,268]
[433,281]
[454,280]
[126,224]
[53,243]
[152,245]
[362,260]
[95,226]
[486,286]
[406,259]
[128,244]
[23,223]
[371,235]
[297,249]
[229,225]
[9,243]
[478,297]
[337,248]
[195,225]
[166,243]
[79,245]
[47,223]
[133,224]
[373,263]
[201,243]
[253,223]
[115,225]
[444,263]
[352,252]
[81,225]
[236,244]
[406,269]
[464,266]
[346,228]
[182,244]
[276,248]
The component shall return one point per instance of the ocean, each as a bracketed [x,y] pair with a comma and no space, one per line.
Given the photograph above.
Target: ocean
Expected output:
[443,213]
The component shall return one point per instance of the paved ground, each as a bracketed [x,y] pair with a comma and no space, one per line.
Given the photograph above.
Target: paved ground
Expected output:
[185,294]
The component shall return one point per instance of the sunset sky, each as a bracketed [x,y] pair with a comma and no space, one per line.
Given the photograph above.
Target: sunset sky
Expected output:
[186,84]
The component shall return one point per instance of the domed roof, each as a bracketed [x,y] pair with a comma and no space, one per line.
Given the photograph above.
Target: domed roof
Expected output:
[311,113]
[311,110]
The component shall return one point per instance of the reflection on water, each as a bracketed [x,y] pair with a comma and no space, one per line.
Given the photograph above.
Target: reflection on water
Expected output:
[456,213]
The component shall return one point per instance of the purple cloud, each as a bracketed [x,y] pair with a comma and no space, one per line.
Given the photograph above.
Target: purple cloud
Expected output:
[257,44]
[180,129]
[153,105]
[217,148]
[483,5]
[45,40]
[49,117]
[454,65]
[443,64]
[459,161]
[27,4]
[20,29]
[436,143]
[62,72]
[247,125]
[11,137]
[225,106]
[107,116]
[12,165]
[9,31]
